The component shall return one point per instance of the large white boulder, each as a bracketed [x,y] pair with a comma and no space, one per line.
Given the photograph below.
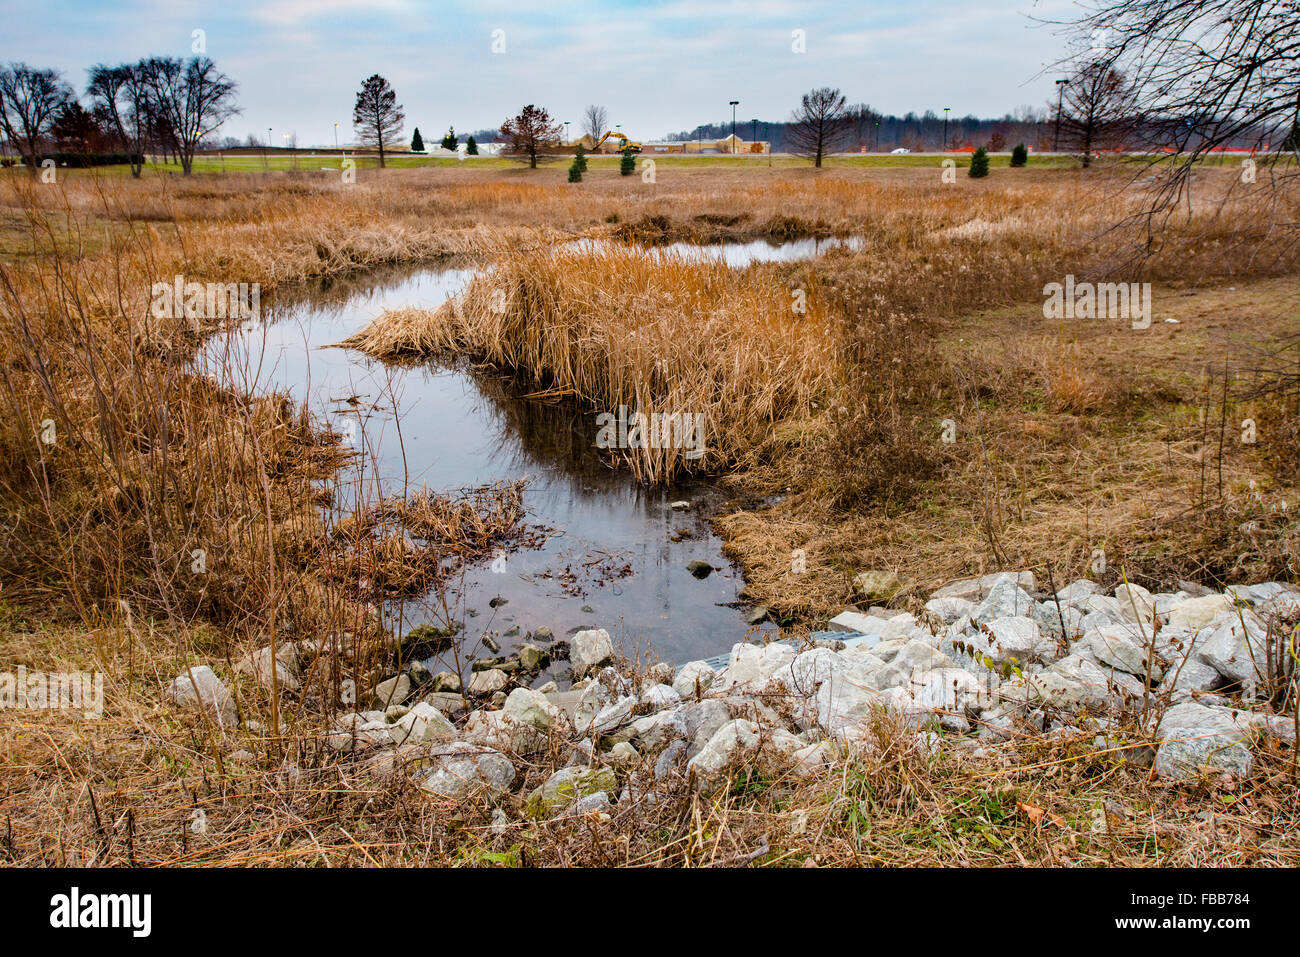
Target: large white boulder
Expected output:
[463,770]
[1193,736]
[198,688]
[590,649]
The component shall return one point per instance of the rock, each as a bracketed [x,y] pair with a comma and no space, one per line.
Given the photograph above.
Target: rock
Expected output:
[496,729]
[431,637]
[656,731]
[1076,590]
[1197,613]
[533,709]
[462,770]
[1074,682]
[690,675]
[702,720]
[729,744]
[419,672]
[1135,603]
[1005,599]
[853,621]
[543,634]
[1193,736]
[590,649]
[1195,589]
[1193,675]
[977,589]
[656,698]
[878,585]
[613,717]
[258,666]
[491,644]
[699,568]
[484,683]
[423,724]
[681,506]
[198,688]
[566,786]
[446,681]
[670,757]
[1114,645]
[1016,641]
[623,755]
[911,656]
[754,664]
[393,691]
[949,610]
[357,732]
[446,702]
[1236,650]
[597,803]
[597,696]
[757,615]
[949,689]
[548,688]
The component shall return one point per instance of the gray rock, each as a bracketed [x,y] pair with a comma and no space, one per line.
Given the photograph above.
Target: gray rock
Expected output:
[656,731]
[446,682]
[589,650]
[690,674]
[670,758]
[702,720]
[1193,675]
[949,610]
[422,724]
[204,691]
[1193,736]
[483,683]
[532,658]
[533,709]
[568,785]
[1236,649]
[358,732]
[258,666]
[657,698]
[463,770]
[1076,590]
[977,589]
[1006,599]
[393,691]
[699,568]
[1114,645]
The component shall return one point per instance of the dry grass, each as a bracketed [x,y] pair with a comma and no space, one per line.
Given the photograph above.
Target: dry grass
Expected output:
[1070,440]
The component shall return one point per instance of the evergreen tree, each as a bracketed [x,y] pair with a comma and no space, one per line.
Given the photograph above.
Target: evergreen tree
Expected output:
[1292,141]
[979,163]
[471,148]
[1019,155]
[449,141]
[575,170]
[580,157]
[627,165]
[417,142]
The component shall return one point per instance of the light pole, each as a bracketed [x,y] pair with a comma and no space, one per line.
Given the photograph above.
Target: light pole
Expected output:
[734,104]
[1060,90]
[567,139]
[944,148]
[336,137]
[877,136]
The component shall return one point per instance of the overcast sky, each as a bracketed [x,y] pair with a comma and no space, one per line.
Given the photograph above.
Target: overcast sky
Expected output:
[658,67]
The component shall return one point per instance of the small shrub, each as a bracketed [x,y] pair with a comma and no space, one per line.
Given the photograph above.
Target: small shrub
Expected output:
[1019,155]
[627,165]
[979,163]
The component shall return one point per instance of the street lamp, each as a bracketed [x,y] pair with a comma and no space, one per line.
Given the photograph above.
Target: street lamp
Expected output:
[944,148]
[336,137]
[566,133]
[1060,90]
[877,136]
[734,104]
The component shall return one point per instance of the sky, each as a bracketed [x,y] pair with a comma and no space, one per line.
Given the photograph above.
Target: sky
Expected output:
[658,67]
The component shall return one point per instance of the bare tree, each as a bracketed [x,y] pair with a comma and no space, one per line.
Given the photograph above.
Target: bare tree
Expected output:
[595,121]
[819,125]
[377,116]
[1097,111]
[30,101]
[1204,73]
[120,98]
[191,99]
[530,132]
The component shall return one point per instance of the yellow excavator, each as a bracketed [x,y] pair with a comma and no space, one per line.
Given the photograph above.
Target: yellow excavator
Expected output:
[627,144]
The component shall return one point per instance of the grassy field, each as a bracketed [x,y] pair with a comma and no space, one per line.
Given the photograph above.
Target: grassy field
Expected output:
[1070,436]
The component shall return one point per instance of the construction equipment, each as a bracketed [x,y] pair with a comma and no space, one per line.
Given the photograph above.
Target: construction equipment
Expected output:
[627,143]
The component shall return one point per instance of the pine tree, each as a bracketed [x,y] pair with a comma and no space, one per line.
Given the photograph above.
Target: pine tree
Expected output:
[471,148]
[580,157]
[1019,155]
[979,163]
[449,141]
[627,165]
[417,142]
[575,170]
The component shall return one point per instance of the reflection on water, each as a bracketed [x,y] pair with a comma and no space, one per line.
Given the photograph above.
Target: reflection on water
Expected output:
[460,427]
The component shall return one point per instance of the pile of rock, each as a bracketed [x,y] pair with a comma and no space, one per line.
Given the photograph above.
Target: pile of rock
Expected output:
[988,658]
